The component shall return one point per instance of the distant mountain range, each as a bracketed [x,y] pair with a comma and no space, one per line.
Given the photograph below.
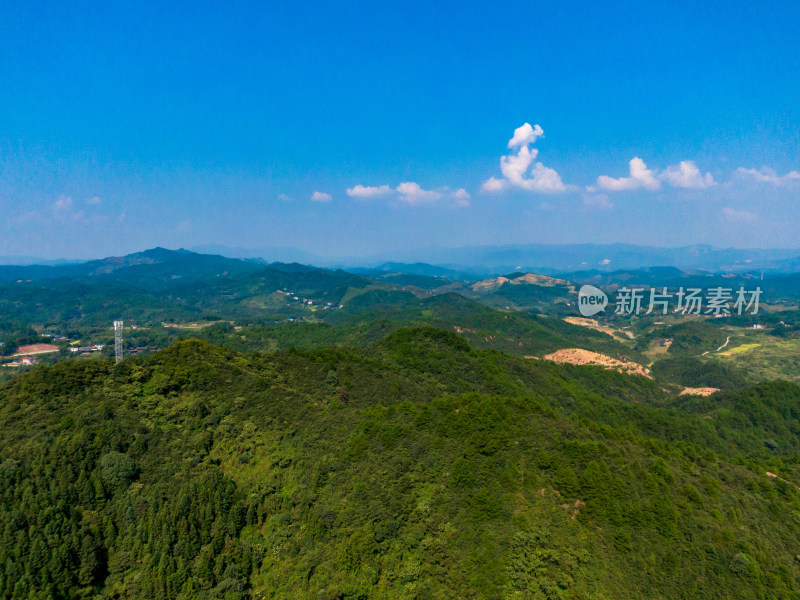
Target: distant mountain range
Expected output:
[419,269]
[35,260]
[474,262]
[551,259]
[161,285]
[566,258]
[268,254]
[174,261]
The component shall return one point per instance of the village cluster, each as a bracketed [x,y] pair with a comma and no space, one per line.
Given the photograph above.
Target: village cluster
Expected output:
[292,296]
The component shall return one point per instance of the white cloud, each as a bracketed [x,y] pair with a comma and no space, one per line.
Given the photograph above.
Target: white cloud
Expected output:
[363,191]
[461,196]
[683,175]
[641,177]
[597,201]
[63,203]
[738,216]
[493,185]
[687,175]
[94,200]
[515,167]
[321,197]
[284,198]
[767,175]
[412,193]
[525,135]
[544,179]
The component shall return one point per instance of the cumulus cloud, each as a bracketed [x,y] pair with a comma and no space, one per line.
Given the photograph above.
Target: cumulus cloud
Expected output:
[525,135]
[640,177]
[364,191]
[493,185]
[520,169]
[767,175]
[321,197]
[284,198]
[412,193]
[94,201]
[687,175]
[738,216]
[461,196]
[683,175]
[544,179]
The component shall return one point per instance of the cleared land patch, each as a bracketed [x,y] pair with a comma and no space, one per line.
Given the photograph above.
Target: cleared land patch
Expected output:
[700,391]
[579,356]
[486,285]
[594,324]
[36,349]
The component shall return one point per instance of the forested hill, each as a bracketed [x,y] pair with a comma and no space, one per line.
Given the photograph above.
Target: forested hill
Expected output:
[418,467]
[161,284]
[159,263]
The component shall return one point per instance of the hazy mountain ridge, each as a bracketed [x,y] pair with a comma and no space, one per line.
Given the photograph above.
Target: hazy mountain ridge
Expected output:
[475,262]
[551,259]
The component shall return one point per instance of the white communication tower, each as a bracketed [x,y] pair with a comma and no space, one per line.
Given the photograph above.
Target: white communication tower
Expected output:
[118,340]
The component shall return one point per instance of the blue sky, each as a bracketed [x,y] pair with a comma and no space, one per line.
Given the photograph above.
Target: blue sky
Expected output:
[135,125]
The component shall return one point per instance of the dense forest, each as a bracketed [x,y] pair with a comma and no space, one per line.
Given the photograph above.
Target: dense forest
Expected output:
[415,466]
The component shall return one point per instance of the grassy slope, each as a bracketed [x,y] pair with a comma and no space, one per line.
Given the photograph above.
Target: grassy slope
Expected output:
[766,357]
